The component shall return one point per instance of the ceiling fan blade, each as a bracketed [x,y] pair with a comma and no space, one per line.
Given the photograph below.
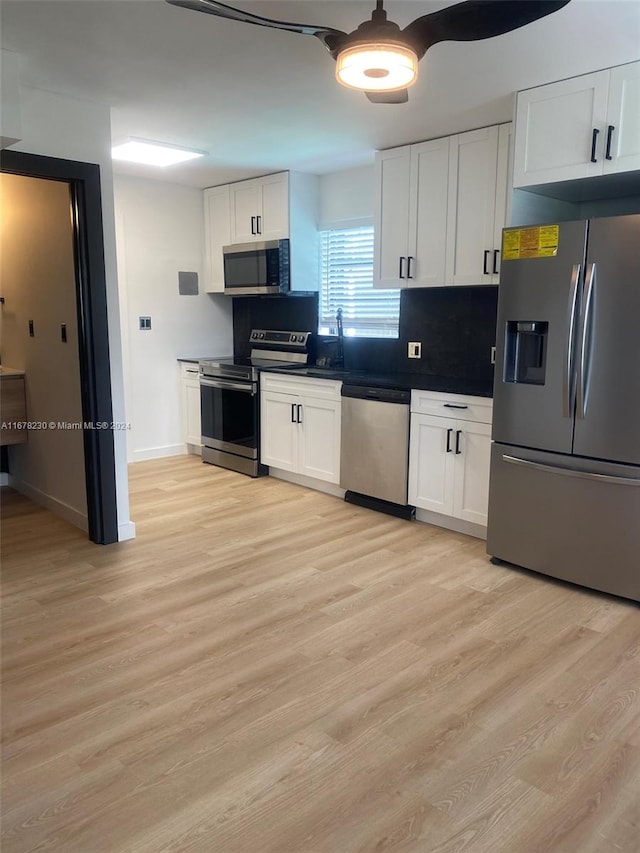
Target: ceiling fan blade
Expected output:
[400,96]
[329,37]
[476,19]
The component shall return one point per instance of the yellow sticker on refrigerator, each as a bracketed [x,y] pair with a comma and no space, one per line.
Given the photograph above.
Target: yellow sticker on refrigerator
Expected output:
[538,242]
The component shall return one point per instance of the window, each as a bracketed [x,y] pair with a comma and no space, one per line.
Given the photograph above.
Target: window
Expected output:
[346,281]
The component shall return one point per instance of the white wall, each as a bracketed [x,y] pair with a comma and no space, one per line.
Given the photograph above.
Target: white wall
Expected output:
[160,232]
[346,196]
[60,126]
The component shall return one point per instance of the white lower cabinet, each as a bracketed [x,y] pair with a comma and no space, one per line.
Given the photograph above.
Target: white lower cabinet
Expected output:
[300,421]
[190,404]
[449,453]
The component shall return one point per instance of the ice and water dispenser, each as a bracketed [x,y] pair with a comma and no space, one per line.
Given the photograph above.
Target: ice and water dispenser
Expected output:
[526,351]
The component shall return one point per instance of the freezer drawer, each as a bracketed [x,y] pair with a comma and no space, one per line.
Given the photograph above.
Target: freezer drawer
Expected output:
[566,517]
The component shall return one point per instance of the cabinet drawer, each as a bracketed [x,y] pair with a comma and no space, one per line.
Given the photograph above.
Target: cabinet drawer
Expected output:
[302,386]
[459,406]
[189,370]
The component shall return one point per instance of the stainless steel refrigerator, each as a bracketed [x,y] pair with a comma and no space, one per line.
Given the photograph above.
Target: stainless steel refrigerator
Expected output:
[564,495]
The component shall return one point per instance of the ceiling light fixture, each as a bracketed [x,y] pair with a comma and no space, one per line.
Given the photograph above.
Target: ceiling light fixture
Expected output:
[153,153]
[377,67]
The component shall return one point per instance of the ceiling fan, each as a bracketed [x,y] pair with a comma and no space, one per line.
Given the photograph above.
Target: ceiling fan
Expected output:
[381,59]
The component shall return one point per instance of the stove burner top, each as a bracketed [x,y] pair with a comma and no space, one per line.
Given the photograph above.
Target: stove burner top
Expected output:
[269,349]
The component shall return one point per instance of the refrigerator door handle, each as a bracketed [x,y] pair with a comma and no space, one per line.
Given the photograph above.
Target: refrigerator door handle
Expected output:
[568,388]
[585,343]
[570,472]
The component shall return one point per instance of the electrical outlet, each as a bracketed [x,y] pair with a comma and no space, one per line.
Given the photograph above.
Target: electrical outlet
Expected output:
[145,323]
[414,349]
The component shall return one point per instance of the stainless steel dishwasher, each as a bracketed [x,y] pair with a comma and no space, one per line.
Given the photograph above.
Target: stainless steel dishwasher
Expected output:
[374,456]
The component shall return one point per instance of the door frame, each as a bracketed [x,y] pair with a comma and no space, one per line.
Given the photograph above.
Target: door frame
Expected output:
[93,328]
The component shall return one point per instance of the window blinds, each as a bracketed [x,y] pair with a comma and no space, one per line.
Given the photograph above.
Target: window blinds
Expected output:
[346,277]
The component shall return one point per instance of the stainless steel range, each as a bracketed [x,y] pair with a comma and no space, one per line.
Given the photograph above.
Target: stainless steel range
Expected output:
[230,399]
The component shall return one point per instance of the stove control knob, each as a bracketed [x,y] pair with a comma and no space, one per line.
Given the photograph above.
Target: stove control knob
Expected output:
[261,335]
[254,335]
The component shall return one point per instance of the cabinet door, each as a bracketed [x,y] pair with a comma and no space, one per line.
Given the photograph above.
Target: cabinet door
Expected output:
[192,399]
[245,204]
[319,439]
[623,119]
[427,246]
[217,233]
[431,457]
[472,200]
[503,195]
[273,223]
[391,233]
[279,430]
[471,481]
[554,130]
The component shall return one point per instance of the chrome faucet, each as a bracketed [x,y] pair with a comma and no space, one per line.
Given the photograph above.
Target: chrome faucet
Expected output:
[340,358]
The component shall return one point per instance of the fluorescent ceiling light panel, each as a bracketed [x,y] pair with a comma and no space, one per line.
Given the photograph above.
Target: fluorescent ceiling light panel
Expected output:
[153,153]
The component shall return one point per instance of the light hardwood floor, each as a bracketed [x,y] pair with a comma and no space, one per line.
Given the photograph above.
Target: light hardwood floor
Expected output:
[268,669]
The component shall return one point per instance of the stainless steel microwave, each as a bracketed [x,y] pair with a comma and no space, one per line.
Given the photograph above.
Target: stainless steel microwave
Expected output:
[256,268]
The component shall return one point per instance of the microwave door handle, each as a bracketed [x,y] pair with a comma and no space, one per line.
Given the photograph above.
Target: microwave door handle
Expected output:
[225,385]
[585,341]
[568,386]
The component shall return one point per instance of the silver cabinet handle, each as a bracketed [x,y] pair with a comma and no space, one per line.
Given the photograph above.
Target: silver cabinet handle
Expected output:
[567,383]
[583,362]
[570,472]
[224,385]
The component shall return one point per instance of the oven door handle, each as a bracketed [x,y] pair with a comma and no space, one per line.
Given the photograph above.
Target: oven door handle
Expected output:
[225,385]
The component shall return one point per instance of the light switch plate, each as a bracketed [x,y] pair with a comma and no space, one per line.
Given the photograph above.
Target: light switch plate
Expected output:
[414,349]
[145,324]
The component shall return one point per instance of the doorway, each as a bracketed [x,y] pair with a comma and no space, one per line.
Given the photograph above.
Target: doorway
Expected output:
[87,384]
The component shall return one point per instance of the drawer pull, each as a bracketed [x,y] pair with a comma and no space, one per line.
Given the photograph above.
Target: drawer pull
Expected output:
[454,406]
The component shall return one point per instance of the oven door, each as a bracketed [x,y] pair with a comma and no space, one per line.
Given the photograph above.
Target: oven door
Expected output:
[229,416]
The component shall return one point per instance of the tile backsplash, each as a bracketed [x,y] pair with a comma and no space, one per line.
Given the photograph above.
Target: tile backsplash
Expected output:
[456,326]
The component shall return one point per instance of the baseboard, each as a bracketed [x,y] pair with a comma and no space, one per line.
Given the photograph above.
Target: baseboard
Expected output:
[309,482]
[455,524]
[126,531]
[73,516]
[159,452]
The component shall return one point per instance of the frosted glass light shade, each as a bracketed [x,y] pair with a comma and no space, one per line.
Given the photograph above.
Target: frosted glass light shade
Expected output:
[377,67]
[152,153]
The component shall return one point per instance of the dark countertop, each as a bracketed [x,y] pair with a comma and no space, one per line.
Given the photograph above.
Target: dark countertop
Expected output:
[196,359]
[402,381]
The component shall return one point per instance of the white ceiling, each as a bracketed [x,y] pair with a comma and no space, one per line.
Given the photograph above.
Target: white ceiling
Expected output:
[261,100]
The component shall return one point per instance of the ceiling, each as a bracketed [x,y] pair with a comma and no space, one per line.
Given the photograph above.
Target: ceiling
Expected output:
[262,100]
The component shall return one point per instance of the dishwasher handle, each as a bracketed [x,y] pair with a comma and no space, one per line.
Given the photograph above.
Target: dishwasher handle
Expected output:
[377,395]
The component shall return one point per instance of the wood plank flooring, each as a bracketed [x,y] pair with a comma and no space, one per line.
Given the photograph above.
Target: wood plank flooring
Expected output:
[267,669]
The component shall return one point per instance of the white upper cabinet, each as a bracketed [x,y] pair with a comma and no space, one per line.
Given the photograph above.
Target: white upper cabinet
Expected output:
[622,143]
[478,166]
[428,202]
[260,209]
[391,232]
[217,233]
[275,207]
[410,216]
[578,128]
[440,209]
